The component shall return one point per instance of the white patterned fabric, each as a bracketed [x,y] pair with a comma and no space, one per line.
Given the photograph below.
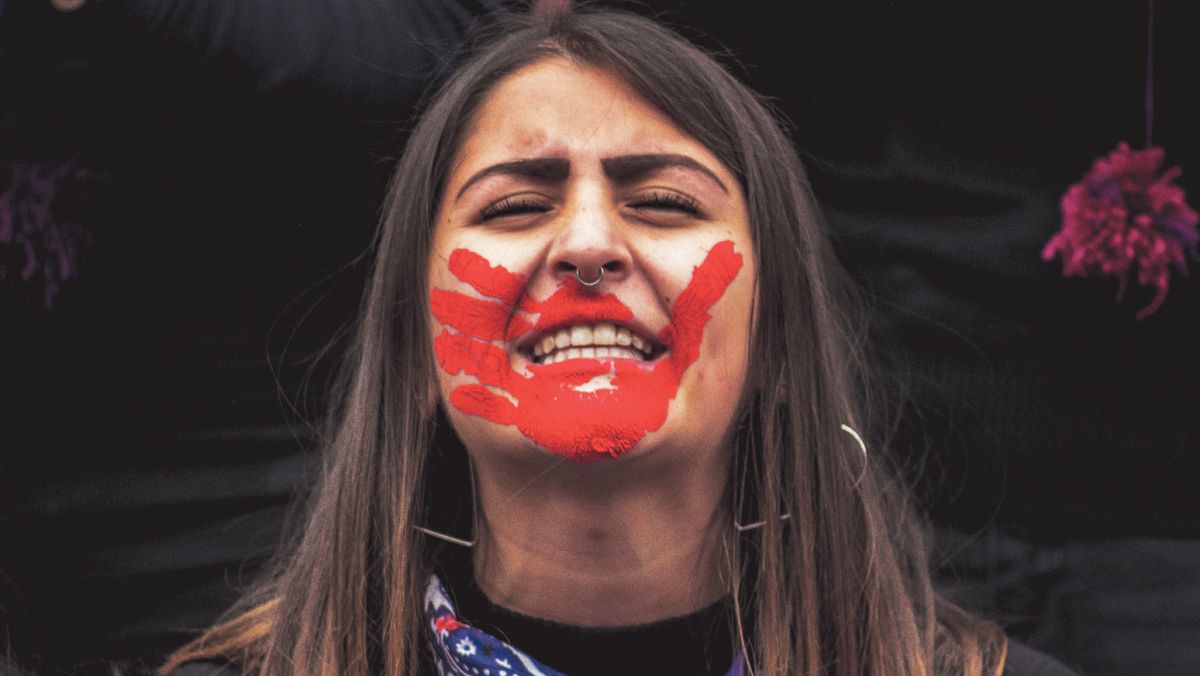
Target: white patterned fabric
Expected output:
[458,648]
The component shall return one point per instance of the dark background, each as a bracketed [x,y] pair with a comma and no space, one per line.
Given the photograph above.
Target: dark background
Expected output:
[225,163]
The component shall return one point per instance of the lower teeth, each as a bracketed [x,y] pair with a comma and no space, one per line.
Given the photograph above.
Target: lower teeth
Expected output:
[615,352]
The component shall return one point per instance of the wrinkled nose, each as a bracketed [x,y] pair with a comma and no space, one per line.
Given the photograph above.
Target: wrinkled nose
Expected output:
[590,246]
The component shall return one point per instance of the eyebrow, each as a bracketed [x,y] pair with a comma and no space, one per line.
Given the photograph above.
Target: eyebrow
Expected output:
[633,167]
[543,169]
[623,168]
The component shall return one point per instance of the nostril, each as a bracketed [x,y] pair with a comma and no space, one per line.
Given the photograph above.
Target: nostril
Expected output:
[589,274]
[599,276]
[570,268]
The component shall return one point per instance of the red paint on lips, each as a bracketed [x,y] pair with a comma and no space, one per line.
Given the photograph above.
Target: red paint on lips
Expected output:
[572,304]
[580,425]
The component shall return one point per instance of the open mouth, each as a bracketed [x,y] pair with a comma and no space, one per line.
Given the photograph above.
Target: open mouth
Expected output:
[591,341]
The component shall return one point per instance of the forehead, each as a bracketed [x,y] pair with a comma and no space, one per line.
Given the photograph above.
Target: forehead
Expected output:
[557,107]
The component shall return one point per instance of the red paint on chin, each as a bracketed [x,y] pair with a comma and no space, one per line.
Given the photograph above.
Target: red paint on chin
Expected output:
[555,407]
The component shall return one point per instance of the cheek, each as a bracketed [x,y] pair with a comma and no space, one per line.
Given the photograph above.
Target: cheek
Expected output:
[732,324]
[713,385]
[718,381]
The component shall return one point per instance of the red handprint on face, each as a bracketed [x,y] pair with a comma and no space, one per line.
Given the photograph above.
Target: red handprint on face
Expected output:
[581,409]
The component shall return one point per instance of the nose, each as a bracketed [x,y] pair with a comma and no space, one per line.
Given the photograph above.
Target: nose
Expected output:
[590,245]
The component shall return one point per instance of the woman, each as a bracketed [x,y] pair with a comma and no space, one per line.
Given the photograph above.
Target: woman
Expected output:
[601,266]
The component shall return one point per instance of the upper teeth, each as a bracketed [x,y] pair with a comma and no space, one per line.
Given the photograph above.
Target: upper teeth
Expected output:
[591,342]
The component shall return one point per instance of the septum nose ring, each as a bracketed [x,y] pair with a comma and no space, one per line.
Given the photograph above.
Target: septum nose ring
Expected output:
[594,282]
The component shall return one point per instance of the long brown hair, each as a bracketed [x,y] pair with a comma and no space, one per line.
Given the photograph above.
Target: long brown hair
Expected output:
[839,586]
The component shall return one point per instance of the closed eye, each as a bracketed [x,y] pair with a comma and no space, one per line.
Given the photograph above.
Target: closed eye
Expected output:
[667,201]
[512,206]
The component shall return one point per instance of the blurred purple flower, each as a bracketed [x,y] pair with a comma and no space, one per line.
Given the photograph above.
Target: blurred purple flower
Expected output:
[1124,216]
[39,248]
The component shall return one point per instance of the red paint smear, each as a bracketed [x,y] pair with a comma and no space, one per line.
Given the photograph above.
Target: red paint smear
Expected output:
[446,623]
[456,352]
[487,279]
[581,426]
[483,319]
[479,400]
[689,314]
[573,304]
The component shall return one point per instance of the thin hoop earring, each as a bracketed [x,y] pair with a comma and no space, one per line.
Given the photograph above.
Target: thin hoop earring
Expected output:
[444,537]
[595,281]
[474,520]
[787,515]
[735,594]
[741,528]
[857,437]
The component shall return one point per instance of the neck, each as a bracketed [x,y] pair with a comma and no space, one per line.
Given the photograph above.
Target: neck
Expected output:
[605,544]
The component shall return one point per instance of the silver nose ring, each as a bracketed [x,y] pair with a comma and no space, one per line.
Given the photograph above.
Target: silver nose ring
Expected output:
[594,282]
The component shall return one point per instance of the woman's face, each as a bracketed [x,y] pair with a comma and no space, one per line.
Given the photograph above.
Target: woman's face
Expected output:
[564,173]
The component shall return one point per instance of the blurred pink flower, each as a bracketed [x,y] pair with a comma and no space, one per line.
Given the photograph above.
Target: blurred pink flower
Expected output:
[1123,216]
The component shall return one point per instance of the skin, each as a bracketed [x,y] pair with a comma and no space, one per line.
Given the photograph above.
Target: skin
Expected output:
[625,540]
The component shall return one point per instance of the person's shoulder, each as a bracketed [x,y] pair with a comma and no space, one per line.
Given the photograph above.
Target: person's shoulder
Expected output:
[206,669]
[1025,661]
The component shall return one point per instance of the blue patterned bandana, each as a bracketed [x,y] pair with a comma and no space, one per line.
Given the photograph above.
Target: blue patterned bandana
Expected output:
[459,648]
